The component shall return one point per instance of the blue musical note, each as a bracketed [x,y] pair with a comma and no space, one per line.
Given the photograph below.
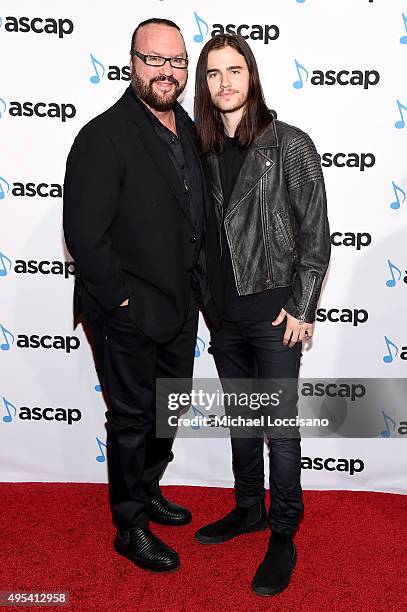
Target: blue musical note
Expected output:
[199,37]
[397,190]
[5,346]
[4,105]
[392,281]
[198,413]
[403,39]
[102,457]
[199,347]
[300,1]
[389,345]
[3,269]
[9,417]
[95,78]
[387,419]
[99,388]
[300,83]
[400,124]
[6,183]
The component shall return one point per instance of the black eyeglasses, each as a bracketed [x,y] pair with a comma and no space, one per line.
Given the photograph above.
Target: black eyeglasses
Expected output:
[158,60]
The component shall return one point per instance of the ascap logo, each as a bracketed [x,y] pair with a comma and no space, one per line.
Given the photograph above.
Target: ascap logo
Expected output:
[35,341]
[399,194]
[391,427]
[348,160]
[5,264]
[112,73]
[394,351]
[65,268]
[395,273]
[51,110]
[199,347]
[38,25]
[25,413]
[33,266]
[30,190]
[352,391]
[346,315]
[361,78]
[352,466]
[355,240]
[264,33]
[4,187]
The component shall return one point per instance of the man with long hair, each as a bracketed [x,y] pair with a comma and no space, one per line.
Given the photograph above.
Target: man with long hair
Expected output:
[271,228]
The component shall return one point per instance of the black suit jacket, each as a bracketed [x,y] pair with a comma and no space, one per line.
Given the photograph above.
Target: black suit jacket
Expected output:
[126,222]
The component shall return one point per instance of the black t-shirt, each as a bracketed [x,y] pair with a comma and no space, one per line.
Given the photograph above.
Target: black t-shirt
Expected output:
[262,306]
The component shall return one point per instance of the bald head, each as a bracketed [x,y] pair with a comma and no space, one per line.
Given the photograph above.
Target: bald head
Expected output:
[159,39]
[152,21]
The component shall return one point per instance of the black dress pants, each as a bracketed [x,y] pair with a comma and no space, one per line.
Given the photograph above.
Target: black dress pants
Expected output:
[128,364]
[254,350]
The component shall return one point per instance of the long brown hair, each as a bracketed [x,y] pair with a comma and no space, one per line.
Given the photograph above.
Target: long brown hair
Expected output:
[256,116]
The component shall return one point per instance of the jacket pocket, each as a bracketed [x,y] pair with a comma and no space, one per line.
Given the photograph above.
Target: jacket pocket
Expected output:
[286,233]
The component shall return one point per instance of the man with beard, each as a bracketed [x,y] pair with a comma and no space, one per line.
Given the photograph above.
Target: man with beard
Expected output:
[134,205]
[271,222]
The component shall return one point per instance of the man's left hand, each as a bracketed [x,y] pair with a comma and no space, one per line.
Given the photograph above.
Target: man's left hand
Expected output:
[294,331]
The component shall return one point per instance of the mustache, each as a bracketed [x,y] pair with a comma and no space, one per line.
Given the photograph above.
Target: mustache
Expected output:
[163,77]
[224,90]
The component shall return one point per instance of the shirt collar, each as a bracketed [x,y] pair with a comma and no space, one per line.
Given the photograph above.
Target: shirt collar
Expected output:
[180,114]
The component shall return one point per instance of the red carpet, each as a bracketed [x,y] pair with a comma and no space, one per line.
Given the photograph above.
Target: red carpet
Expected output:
[352,553]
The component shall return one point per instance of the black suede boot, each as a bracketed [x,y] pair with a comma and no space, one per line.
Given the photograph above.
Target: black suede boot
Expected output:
[274,573]
[237,522]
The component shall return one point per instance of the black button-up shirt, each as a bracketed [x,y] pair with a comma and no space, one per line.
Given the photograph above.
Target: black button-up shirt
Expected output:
[181,151]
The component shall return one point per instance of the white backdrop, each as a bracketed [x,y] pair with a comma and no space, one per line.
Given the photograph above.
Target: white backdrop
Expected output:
[69,57]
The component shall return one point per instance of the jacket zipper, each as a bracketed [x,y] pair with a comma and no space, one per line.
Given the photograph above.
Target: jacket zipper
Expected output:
[287,237]
[265,237]
[302,317]
[233,263]
[220,226]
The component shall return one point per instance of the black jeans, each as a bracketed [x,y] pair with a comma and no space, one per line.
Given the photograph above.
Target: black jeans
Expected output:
[128,364]
[254,350]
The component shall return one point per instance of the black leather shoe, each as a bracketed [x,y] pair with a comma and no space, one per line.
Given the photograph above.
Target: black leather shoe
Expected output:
[146,550]
[162,511]
[274,572]
[237,522]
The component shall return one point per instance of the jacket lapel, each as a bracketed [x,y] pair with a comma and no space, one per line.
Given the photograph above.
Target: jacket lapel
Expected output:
[257,164]
[216,183]
[157,152]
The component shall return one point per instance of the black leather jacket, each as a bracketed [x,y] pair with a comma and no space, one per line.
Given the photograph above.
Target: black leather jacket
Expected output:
[276,224]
